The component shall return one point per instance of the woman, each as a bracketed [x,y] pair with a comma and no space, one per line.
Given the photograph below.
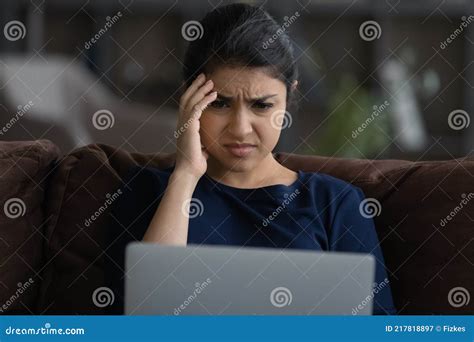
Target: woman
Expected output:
[226,187]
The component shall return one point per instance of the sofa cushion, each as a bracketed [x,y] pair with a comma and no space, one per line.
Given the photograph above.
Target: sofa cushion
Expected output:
[426,226]
[24,170]
[83,190]
[427,263]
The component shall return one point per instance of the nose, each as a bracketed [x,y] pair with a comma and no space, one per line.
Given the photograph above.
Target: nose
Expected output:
[240,125]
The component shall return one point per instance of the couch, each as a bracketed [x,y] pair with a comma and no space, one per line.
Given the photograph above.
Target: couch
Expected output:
[65,113]
[52,255]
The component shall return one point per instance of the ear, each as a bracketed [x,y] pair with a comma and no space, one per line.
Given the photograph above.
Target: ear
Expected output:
[294,85]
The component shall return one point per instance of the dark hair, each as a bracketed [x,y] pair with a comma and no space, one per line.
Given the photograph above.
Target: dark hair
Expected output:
[243,35]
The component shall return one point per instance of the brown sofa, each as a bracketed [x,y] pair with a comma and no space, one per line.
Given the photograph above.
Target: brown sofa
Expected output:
[52,259]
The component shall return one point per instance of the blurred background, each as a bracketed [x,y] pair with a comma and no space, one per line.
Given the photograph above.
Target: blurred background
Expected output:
[378,78]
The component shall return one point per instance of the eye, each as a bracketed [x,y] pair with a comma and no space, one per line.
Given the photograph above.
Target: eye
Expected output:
[262,105]
[218,104]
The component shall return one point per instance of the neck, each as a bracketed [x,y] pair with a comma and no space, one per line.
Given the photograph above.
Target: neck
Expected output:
[242,178]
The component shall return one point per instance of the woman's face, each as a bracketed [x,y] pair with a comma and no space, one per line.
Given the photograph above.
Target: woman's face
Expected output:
[249,109]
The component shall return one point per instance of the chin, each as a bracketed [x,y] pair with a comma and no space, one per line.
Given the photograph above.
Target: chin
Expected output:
[238,164]
[242,166]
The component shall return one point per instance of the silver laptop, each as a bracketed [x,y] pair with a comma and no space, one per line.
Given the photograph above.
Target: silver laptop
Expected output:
[230,280]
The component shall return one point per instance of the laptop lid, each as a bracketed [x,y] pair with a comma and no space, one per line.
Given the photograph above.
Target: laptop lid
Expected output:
[230,280]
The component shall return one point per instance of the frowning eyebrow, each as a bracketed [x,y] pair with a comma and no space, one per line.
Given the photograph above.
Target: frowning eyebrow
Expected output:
[261,98]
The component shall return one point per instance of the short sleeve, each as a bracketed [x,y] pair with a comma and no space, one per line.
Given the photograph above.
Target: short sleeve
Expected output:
[141,192]
[352,232]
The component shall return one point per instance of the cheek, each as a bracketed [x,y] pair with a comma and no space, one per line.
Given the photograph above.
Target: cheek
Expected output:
[269,135]
[210,130]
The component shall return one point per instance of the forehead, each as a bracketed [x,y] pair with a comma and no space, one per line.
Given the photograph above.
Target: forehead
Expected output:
[249,82]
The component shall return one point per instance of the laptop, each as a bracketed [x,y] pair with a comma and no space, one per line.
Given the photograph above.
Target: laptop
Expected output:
[235,280]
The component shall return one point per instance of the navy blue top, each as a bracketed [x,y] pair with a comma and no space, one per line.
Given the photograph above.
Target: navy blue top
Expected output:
[316,212]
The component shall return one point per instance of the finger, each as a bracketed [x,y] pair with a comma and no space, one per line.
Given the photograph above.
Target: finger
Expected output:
[199,94]
[199,107]
[199,81]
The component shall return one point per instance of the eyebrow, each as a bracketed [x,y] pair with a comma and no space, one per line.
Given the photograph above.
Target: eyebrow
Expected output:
[261,98]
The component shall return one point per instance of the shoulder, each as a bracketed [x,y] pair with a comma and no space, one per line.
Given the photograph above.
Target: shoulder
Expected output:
[350,225]
[330,188]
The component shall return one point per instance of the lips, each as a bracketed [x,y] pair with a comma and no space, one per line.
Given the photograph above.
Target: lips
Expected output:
[240,150]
